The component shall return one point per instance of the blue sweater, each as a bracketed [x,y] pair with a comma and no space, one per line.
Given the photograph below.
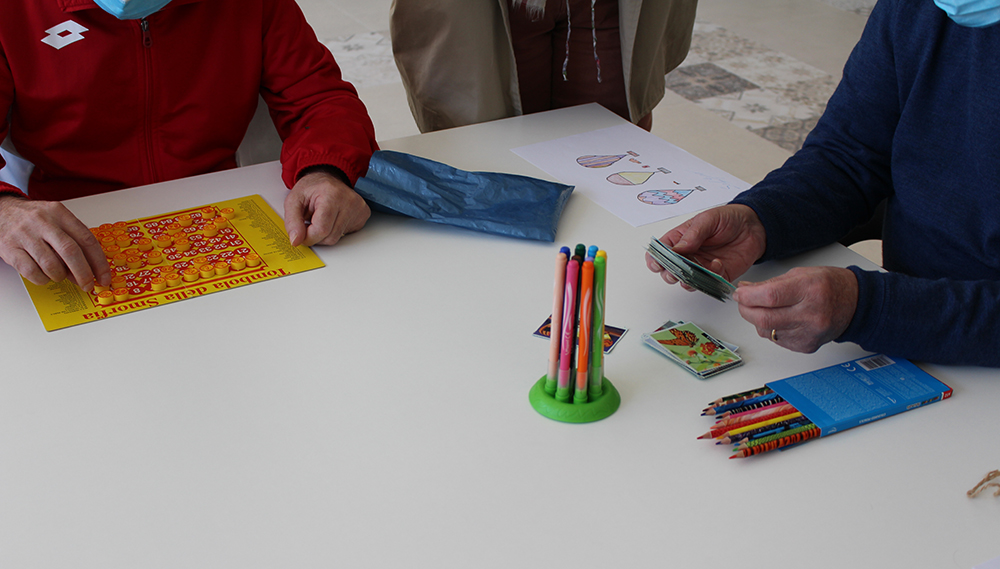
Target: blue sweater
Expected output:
[916,120]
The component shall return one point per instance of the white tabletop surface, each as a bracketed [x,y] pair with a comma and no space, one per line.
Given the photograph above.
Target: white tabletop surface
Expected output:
[374,413]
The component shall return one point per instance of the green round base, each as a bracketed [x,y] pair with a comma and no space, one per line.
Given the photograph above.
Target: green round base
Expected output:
[594,410]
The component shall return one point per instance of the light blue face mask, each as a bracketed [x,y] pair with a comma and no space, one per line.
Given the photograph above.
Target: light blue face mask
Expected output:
[971,13]
[131,9]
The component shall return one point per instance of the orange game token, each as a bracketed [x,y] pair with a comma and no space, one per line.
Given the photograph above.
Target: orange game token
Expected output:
[111,250]
[119,225]
[199,261]
[163,241]
[158,283]
[210,230]
[221,222]
[123,240]
[120,259]
[221,268]
[227,212]
[120,294]
[173,279]
[190,275]
[118,281]
[105,297]
[207,212]
[182,245]
[154,257]
[184,220]
[117,232]
[253,259]
[238,263]
[107,241]
[99,289]
[206,271]
[134,262]
[144,244]
[106,227]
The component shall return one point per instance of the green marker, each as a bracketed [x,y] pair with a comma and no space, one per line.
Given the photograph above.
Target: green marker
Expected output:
[597,343]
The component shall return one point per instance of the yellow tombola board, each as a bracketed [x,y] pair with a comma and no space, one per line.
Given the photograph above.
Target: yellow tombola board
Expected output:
[175,256]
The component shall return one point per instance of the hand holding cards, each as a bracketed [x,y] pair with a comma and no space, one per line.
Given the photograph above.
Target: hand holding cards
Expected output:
[690,273]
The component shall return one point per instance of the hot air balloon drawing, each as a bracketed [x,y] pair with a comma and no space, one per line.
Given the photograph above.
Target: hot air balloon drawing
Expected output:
[665,197]
[599,160]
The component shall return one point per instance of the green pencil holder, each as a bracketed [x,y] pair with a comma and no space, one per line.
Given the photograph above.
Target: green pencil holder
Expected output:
[595,409]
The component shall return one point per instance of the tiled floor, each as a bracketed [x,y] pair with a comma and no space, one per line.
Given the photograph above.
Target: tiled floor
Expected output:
[767,65]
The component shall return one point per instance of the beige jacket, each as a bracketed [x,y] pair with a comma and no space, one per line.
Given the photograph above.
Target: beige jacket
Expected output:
[457,63]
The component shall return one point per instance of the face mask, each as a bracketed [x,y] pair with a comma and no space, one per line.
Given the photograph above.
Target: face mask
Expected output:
[971,13]
[131,9]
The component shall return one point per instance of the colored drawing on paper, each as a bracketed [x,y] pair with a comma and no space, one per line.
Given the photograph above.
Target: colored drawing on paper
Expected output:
[665,197]
[599,160]
[630,178]
[165,258]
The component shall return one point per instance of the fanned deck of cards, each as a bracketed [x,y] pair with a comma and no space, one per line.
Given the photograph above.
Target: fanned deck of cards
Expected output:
[690,273]
[694,349]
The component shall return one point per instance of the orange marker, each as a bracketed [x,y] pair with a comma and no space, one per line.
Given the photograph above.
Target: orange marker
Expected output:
[144,244]
[206,271]
[158,283]
[190,275]
[253,259]
[120,294]
[238,263]
[221,268]
[105,297]
[111,250]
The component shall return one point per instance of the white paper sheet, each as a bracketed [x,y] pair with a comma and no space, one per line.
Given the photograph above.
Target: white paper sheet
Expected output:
[635,175]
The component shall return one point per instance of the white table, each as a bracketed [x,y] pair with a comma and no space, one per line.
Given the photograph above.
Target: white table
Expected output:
[374,413]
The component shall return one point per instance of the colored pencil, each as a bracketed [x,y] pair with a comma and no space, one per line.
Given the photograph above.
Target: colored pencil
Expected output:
[779,443]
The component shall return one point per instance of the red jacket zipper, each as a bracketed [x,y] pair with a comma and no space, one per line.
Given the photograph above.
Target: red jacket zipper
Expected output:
[147,44]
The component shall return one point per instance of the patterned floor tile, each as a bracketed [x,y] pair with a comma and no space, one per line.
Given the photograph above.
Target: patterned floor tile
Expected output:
[756,108]
[789,135]
[705,80]
[365,59]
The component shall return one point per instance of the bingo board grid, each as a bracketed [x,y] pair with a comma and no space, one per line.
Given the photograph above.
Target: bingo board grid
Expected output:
[156,255]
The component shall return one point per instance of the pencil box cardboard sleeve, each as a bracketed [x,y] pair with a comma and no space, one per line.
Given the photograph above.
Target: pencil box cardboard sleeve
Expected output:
[492,202]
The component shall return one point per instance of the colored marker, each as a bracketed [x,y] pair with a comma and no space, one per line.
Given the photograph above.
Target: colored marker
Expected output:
[586,331]
[555,324]
[597,338]
[592,251]
[568,330]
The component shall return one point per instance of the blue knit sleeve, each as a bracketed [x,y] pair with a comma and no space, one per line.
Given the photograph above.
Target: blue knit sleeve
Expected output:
[942,321]
[842,171]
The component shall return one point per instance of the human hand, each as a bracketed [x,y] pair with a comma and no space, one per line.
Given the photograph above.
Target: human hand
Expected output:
[802,309]
[45,242]
[726,240]
[321,209]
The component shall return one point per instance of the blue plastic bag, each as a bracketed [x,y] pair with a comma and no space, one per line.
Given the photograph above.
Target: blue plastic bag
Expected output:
[502,204]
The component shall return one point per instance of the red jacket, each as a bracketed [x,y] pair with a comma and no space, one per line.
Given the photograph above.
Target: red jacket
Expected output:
[99,104]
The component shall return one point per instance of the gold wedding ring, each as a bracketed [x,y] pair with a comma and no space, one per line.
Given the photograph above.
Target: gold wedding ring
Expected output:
[774,335]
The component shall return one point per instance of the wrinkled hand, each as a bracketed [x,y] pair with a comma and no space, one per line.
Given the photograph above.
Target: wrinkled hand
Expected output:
[45,242]
[321,208]
[726,240]
[805,307]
